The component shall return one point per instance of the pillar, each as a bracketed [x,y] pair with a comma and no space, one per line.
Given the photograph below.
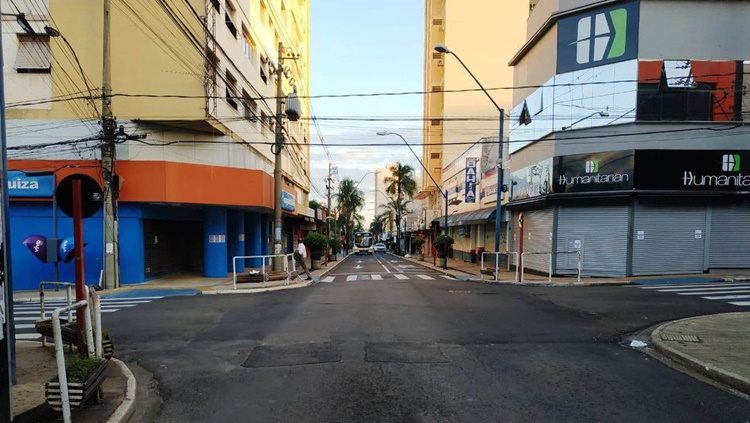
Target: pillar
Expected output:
[215,242]
[264,234]
[236,238]
[254,234]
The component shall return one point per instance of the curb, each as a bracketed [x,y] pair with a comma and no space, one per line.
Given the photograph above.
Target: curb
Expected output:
[127,407]
[258,290]
[712,372]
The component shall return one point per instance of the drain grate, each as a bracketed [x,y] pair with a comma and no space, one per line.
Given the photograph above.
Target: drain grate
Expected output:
[679,338]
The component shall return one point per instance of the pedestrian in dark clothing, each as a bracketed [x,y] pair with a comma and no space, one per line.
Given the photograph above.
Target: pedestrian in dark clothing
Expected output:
[299,256]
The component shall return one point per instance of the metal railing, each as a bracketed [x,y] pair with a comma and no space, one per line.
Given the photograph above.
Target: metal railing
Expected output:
[497,263]
[266,261]
[551,255]
[68,294]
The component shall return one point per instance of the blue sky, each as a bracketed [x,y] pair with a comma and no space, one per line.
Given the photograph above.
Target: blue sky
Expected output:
[365,47]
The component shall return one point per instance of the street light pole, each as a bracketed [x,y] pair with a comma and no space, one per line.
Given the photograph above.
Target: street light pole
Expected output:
[442,48]
[445,194]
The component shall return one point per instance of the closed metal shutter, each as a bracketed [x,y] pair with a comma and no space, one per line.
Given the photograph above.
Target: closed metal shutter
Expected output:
[730,237]
[171,247]
[599,233]
[537,233]
[665,240]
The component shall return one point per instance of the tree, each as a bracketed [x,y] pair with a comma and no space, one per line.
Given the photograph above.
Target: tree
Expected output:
[401,181]
[349,201]
[377,224]
[399,208]
[314,204]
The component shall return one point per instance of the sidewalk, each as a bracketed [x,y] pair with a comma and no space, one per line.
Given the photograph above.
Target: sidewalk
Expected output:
[715,346]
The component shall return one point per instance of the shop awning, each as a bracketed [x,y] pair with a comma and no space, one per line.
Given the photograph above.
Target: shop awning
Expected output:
[469,218]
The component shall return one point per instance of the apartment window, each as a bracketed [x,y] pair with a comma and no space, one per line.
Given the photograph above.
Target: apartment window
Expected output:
[34,54]
[263,123]
[436,55]
[263,75]
[215,4]
[231,90]
[229,19]
[248,45]
[434,155]
[437,21]
[212,66]
[435,122]
[436,88]
[250,106]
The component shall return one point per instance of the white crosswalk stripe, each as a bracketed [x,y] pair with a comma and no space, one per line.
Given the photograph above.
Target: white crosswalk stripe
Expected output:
[732,293]
[25,314]
[450,278]
[351,278]
[383,277]
[401,277]
[329,279]
[376,277]
[425,277]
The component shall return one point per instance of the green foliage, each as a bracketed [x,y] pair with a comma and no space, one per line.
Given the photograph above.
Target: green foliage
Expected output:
[335,245]
[443,245]
[417,243]
[73,325]
[317,243]
[314,204]
[79,368]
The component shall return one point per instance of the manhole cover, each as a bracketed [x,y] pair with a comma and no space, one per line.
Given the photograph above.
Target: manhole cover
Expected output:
[403,352]
[679,338]
[292,355]
[459,291]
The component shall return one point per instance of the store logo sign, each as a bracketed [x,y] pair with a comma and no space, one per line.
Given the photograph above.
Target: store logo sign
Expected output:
[592,166]
[730,163]
[602,36]
[288,201]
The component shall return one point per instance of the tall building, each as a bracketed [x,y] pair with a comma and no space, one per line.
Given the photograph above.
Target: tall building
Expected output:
[485,35]
[630,155]
[198,80]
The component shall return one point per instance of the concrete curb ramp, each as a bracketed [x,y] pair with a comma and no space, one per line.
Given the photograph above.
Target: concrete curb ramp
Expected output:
[671,350]
[127,407]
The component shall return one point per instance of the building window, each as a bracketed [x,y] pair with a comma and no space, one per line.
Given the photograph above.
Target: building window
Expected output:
[250,106]
[435,122]
[232,91]
[263,124]
[212,66]
[248,46]
[34,54]
[434,155]
[229,19]
[215,4]
[263,75]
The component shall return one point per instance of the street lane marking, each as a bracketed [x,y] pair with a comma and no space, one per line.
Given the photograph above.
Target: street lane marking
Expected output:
[27,336]
[741,303]
[400,276]
[429,278]
[727,297]
[376,277]
[24,326]
[351,278]
[448,277]
[329,279]
[742,291]
[692,285]
[386,269]
[727,288]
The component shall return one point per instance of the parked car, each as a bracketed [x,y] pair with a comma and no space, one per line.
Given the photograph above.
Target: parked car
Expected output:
[379,247]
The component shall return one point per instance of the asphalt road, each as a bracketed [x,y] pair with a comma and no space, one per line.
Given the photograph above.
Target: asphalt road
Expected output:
[417,349]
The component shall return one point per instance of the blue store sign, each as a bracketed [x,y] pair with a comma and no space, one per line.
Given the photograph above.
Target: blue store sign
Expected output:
[22,185]
[471,180]
[288,201]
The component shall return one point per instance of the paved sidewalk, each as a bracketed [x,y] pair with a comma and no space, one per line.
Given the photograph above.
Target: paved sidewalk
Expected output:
[716,346]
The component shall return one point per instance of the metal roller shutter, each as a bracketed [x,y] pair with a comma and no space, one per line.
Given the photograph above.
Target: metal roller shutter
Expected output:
[665,240]
[730,237]
[599,233]
[537,232]
[171,247]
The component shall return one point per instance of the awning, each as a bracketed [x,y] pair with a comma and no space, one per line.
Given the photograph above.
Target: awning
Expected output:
[469,218]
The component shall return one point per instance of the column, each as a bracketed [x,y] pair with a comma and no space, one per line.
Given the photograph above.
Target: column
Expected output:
[254,244]
[264,234]
[215,242]
[236,238]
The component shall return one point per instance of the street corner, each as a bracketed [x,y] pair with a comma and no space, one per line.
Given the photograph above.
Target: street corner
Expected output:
[153,293]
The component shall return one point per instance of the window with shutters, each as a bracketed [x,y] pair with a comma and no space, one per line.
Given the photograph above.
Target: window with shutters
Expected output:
[435,122]
[34,54]
[232,91]
[434,155]
[229,19]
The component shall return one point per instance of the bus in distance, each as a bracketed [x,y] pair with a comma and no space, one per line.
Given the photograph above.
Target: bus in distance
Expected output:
[363,243]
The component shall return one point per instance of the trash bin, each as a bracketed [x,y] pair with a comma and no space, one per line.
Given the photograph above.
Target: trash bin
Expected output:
[473,253]
[480,250]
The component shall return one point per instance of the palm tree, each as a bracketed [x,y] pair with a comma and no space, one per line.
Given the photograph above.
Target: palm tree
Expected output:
[399,208]
[376,226]
[401,181]
[350,200]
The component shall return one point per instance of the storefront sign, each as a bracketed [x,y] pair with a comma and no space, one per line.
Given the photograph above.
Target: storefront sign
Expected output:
[22,185]
[601,37]
[288,201]
[693,170]
[471,180]
[609,171]
[532,181]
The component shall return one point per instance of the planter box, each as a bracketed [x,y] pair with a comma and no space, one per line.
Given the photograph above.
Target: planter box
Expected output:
[78,393]
[70,336]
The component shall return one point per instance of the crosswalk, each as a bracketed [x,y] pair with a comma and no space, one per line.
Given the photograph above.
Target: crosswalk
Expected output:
[382,277]
[735,293]
[25,314]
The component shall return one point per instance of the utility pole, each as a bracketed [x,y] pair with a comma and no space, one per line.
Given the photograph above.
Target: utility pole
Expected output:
[277,263]
[329,188]
[111,244]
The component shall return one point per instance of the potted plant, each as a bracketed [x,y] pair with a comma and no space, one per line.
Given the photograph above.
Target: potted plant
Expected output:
[417,243]
[335,245]
[84,375]
[317,243]
[443,245]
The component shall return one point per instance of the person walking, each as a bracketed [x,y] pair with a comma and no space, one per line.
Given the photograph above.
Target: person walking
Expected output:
[300,255]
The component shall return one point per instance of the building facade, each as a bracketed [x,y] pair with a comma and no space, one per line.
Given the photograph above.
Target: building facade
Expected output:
[459,117]
[629,149]
[197,81]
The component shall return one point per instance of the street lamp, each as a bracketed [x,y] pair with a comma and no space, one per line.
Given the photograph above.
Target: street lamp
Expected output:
[603,113]
[442,48]
[444,193]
